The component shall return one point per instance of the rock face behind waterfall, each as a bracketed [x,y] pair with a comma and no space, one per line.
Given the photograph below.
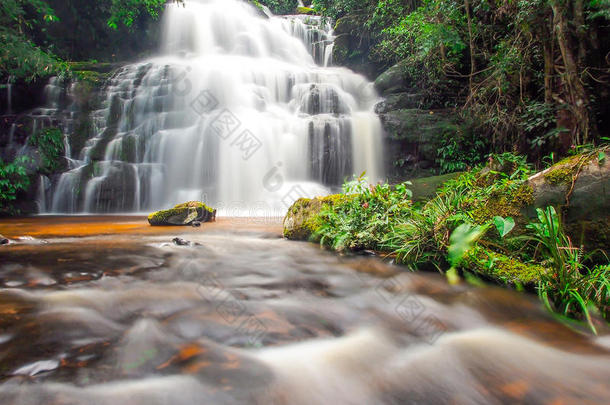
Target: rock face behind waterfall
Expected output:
[183,214]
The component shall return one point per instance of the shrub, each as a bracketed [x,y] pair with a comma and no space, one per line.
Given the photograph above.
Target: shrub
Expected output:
[13,180]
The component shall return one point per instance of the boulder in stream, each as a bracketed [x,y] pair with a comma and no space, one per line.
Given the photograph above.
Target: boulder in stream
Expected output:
[183,214]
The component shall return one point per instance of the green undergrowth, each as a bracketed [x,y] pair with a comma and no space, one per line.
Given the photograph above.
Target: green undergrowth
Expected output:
[476,224]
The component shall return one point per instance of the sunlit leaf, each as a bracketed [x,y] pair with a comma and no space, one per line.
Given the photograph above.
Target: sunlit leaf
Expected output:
[504,225]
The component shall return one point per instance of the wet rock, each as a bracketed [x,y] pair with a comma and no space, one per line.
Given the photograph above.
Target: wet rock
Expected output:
[180,242]
[3,240]
[416,133]
[183,214]
[184,242]
[350,49]
[196,224]
[392,80]
[400,101]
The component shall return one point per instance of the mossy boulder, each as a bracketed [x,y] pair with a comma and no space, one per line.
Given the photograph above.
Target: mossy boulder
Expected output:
[505,202]
[426,188]
[393,80]
[579,186]
[301,222]
[502,269]
[341,49]
[183,214]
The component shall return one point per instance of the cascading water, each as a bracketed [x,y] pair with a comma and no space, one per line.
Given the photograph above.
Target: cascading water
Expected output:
[239,111]
[9,95]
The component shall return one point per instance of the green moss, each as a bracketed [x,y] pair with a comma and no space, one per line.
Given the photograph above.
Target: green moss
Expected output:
[563,172]
[302,220]
[163,215]
[501,268]
[425,188]
[505,201]
[194,204]
[183,214]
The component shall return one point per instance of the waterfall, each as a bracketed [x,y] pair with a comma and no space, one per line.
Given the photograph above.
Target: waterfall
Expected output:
[9,95]
[238,110]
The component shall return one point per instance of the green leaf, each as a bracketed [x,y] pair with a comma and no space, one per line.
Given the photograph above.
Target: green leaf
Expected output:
[504,225]
[462,240]
[601,158]
[453,277]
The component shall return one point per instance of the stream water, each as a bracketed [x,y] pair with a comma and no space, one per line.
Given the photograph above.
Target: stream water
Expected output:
[107,310]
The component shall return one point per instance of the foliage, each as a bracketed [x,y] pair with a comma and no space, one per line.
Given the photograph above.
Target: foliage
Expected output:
[360,222]
[533,75]
[280,7]
[338,8]
[20,58]
[462,149]
[50,145]
[454,231]
[13,180]
[572,288]
[126,12]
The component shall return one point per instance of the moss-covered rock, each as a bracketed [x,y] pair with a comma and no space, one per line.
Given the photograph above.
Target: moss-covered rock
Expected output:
[301,222]
[580,184]
[502,269]
[426,188]
[183,214]
[505,202]
[341,49]
[393,80]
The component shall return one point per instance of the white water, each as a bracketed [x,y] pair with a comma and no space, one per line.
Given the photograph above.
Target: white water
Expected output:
[234,100]
[9,96]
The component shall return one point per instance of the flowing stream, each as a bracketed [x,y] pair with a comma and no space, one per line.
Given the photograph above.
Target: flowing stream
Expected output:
[240,110]
[104,310]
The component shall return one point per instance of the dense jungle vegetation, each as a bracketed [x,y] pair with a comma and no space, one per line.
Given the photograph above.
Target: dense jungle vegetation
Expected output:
[530,76]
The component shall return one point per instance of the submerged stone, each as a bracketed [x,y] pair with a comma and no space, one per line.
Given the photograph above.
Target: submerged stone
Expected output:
[183,214]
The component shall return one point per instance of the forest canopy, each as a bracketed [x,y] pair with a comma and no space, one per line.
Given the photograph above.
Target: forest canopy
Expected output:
[534,74]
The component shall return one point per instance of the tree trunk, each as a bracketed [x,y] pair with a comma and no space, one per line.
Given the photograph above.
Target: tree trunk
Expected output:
[546,38]
[473,66]
[577,95]
[581,33]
